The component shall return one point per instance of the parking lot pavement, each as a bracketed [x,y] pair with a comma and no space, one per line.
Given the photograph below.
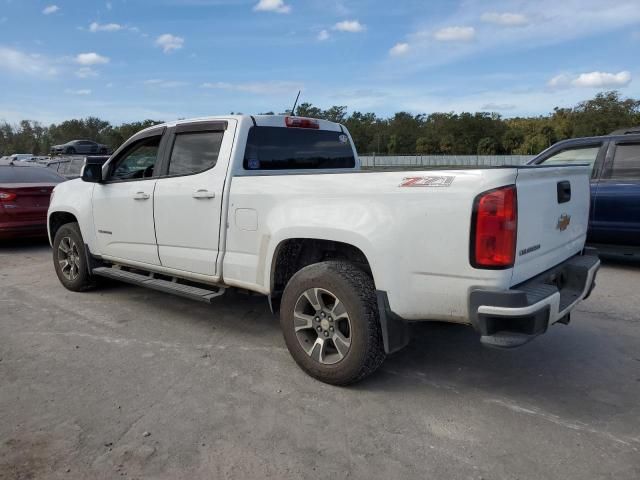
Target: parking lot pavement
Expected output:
[125,381]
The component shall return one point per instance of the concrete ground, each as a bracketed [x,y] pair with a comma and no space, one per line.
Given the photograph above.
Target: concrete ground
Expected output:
[127,382]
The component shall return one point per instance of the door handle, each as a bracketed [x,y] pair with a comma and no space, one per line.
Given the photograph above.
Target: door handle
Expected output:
[141,196]
[203,193]
[564,191]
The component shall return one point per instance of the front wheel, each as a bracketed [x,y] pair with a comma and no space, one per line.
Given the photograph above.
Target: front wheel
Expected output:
[329,317]
[70,259]
[71,151]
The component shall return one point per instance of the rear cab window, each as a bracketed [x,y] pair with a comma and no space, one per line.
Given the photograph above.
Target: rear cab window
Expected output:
[280,148]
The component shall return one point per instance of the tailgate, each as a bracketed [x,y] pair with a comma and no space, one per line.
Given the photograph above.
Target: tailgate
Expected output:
[553,216]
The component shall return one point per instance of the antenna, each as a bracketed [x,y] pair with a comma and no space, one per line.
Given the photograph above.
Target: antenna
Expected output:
[293,110]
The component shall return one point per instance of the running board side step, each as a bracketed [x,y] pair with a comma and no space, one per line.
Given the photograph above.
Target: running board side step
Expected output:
[187,291]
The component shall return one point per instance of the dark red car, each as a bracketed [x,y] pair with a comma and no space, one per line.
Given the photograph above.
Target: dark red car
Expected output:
[24,199]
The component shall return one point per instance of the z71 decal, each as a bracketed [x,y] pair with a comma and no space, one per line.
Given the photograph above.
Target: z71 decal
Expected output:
[440,181]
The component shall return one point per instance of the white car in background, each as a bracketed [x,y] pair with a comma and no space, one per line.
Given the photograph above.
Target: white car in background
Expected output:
[22,157]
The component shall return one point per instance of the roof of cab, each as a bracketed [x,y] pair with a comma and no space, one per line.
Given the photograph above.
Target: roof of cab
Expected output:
[258,120]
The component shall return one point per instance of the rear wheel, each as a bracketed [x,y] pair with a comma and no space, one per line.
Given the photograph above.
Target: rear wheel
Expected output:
[70,259]
[330,321]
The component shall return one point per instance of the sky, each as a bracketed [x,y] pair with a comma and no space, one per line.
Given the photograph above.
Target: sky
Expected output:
[129,60]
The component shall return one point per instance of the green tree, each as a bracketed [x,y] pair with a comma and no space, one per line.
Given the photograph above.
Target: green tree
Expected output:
[487,146]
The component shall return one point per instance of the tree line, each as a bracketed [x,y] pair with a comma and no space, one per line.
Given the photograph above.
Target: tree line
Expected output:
[451,133]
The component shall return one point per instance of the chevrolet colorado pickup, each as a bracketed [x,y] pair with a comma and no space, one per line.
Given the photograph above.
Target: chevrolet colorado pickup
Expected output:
[278,205]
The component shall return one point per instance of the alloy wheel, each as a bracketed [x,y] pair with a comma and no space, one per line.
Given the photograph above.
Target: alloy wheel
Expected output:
[322,326]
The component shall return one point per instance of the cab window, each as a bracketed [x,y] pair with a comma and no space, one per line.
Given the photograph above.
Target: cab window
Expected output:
[138,161]
[194,152]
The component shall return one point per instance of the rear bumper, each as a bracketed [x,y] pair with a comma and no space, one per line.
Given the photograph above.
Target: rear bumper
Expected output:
[514,317]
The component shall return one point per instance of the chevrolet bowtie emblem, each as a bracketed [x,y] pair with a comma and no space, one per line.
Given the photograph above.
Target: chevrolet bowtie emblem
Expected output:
[563,222]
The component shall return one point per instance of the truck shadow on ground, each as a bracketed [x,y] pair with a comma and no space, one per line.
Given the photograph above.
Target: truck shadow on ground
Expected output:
[442,356]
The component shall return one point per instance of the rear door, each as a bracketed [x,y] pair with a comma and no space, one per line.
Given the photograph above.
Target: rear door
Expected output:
[553,216]
[616,219]
[188,195]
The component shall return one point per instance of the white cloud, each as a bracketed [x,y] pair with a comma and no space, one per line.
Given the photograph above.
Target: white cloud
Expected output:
[505,19]
[257,88]
[352,26]
[49,9]
[82,91]
[323,35]
[399,49]
[277,6]
[106,27]
[602,79]
[91,58]
[169,42]
[86,72]
[15,61]
[591,80]
[455,34]
[158,82]
[559,81]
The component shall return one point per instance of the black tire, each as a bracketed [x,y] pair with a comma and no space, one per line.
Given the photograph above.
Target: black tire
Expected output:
[71,151]
[355,289]
[68,237]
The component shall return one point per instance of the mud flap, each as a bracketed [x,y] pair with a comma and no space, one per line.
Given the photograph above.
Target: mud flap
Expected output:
[395,330]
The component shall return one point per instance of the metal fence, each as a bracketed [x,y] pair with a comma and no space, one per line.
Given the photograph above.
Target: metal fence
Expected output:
[443,160]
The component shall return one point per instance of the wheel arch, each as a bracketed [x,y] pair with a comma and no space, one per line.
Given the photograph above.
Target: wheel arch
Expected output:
[292,254]
[58,219]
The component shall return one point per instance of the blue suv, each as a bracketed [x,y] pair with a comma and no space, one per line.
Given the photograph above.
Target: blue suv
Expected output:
[614,222]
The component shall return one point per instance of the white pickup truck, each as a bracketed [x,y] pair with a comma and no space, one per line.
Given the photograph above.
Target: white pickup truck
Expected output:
[278,205]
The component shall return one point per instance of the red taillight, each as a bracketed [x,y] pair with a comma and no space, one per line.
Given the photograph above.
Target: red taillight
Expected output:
[7,196]
[301,122]
[494,228]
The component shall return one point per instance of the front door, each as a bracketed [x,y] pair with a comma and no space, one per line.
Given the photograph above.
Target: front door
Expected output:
[123,204]
[188,196]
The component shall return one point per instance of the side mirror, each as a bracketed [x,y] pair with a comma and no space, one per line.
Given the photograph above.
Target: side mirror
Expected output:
[92,169]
